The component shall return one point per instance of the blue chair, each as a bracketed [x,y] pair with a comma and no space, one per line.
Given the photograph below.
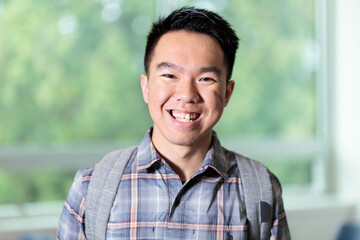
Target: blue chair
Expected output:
[349,231]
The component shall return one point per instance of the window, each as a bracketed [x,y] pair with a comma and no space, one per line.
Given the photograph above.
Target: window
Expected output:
[70,91]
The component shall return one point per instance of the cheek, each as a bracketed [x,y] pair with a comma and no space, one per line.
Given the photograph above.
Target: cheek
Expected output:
[158,96]
[216,104]
[216,98]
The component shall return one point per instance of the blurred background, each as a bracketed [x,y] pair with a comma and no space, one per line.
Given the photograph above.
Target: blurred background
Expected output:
[70,93]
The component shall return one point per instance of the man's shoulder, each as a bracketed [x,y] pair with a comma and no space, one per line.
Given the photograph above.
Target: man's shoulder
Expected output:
[247,165]
[116,154]
[105,164]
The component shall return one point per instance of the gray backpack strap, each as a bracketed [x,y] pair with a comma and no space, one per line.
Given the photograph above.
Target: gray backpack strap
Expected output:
[258,192]
[101,192]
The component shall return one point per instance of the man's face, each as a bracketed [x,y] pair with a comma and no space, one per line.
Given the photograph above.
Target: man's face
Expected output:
[186,89]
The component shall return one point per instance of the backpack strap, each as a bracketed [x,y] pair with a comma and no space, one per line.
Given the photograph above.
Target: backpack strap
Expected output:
[258,196]
[101,193]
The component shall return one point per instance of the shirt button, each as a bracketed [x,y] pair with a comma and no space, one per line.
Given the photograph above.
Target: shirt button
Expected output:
[229,237]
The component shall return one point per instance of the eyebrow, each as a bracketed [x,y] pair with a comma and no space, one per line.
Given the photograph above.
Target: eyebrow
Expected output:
[213,69]
[167,65]
[207,69]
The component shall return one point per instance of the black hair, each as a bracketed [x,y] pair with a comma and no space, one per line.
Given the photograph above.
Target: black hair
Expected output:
[195,20]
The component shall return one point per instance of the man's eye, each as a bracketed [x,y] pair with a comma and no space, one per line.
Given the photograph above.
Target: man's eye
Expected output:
[207,79]
[168,76]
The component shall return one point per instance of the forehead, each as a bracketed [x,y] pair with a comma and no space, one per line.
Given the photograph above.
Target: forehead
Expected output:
[188,49]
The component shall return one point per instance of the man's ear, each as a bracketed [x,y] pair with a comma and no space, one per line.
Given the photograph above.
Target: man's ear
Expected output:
[145,87]
[229,90]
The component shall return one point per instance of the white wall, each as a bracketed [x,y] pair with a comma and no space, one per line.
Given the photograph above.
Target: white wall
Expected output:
[347,85]
[316,217]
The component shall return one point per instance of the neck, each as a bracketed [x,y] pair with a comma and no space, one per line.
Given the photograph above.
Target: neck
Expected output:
[185,160]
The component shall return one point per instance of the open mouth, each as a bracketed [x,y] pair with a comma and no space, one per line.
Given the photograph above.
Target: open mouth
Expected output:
[184,117]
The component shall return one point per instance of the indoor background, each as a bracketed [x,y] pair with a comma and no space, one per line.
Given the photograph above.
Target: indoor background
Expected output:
[70,93]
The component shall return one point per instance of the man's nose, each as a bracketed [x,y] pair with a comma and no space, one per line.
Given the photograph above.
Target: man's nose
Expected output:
[187,91]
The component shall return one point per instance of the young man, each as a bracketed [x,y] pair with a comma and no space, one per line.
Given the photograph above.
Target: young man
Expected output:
[179,183]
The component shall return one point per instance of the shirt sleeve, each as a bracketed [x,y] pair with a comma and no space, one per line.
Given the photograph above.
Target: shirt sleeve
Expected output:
[72,221]
[280,229]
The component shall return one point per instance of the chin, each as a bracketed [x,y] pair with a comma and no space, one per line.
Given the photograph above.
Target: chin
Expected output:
[188,141]
[183,142]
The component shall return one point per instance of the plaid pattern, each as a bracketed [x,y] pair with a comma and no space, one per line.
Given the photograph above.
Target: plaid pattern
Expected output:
[153,203]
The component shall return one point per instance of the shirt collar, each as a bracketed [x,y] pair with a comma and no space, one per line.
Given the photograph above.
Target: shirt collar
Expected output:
[147,154]
[215,157]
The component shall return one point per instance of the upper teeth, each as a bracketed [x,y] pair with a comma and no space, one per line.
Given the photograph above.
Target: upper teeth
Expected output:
[184,117]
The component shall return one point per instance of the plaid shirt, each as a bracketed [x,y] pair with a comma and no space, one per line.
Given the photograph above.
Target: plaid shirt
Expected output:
[153,203]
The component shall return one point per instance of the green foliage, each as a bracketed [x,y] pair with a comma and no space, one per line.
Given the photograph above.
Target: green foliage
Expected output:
[67,74]
[9,189]
[274,94]
[34,186]
[294,172]
[48,185]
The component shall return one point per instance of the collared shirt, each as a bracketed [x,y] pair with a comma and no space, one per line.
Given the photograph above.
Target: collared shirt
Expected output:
[153,203]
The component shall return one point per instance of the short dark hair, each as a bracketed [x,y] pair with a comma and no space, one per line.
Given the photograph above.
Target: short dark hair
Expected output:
[195,20]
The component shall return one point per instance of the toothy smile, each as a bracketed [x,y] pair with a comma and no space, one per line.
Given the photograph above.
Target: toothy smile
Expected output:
[184,117]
